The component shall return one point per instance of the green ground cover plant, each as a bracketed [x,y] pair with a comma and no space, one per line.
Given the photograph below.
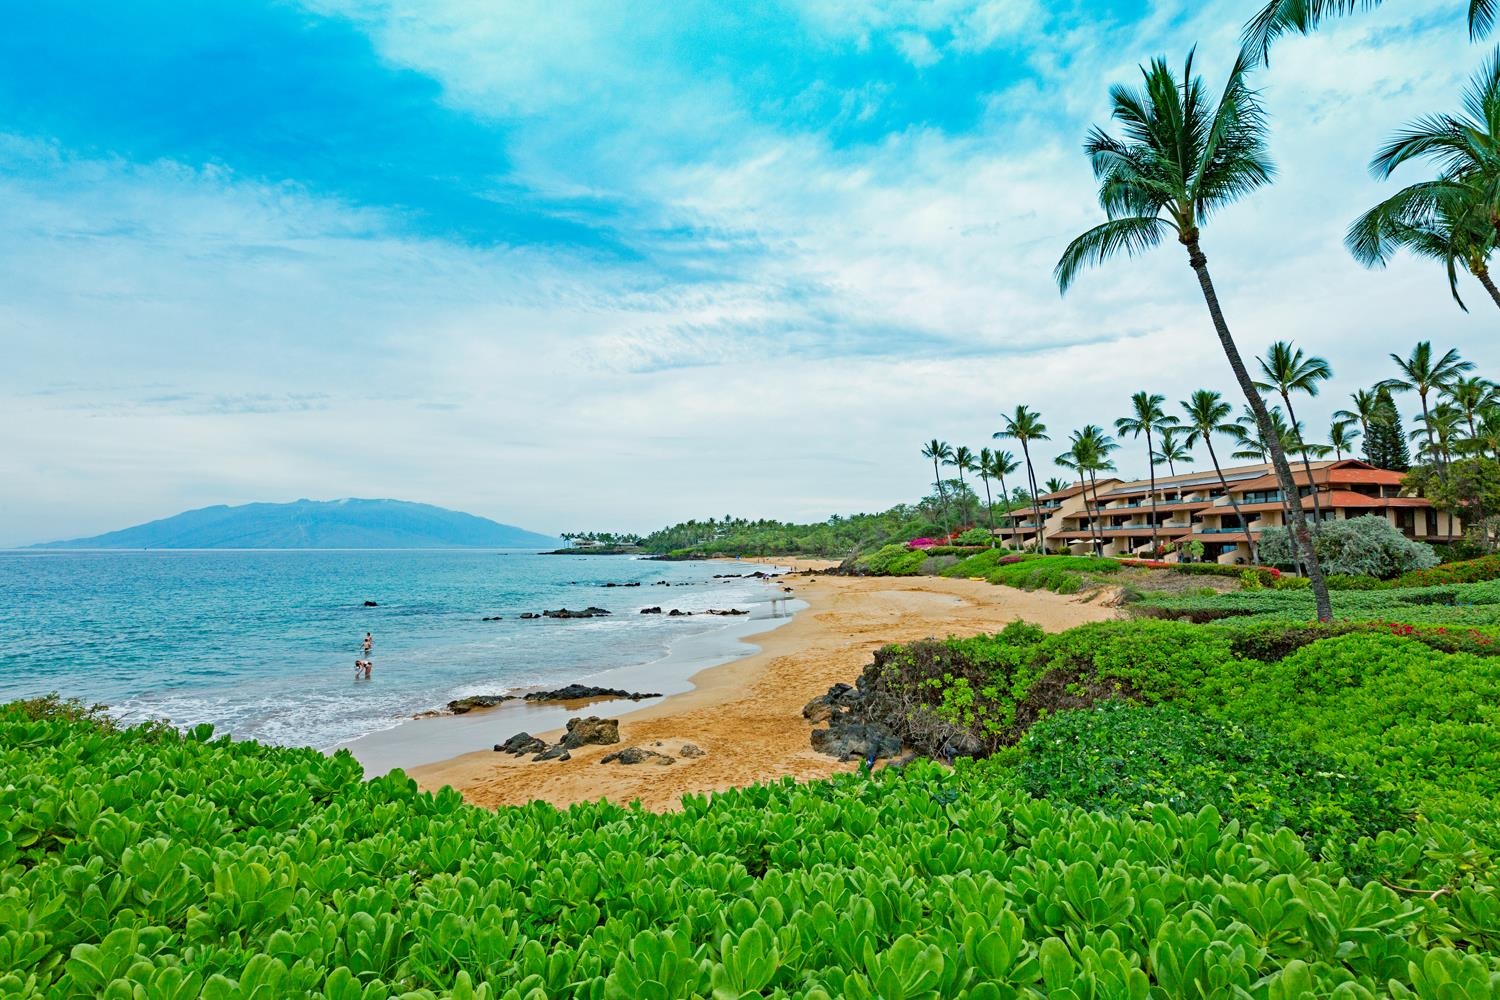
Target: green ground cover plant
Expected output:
[892,560]
[1476,604]
[155,864]
[1127,758]
[1061,574]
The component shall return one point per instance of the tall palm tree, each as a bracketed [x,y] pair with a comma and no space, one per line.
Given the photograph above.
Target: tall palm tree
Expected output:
[1207,414]
[1442,427]
[1280,17]
[1026,426]
[1099,447]
[963,460]
[1055,485]
[1089,456]
[1286,370]
[1443,220]
[1185,156]
[1147,418]
[1424,376]
[1341,436]
[1172,451]
[939,452]
[986,469]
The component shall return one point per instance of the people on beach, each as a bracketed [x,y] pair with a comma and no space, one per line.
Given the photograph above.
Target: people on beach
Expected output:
[362,669]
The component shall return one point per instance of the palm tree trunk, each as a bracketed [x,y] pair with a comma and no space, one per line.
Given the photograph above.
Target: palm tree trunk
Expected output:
[1151,464]
[1300,535]
[1036,507]
[942,496]
[1432,448]
[1099,510]
[1233,503]
[1005,495]
[989,504]
[1083,486]
[1306,465]
[1483,274]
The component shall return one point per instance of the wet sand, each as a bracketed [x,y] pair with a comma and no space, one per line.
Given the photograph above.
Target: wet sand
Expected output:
[746,715]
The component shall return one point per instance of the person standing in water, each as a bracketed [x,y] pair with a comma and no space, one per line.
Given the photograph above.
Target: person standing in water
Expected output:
[369,643]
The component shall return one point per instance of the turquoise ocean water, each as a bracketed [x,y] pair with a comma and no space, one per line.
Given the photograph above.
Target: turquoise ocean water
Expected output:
[262,644]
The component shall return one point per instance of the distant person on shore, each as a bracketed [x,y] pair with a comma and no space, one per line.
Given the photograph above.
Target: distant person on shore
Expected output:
[369,643]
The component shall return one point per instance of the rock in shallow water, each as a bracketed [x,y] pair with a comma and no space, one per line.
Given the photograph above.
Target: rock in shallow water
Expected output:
[576,692]
[467,704]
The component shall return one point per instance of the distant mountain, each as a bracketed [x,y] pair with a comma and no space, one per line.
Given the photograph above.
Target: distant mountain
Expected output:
[317,524]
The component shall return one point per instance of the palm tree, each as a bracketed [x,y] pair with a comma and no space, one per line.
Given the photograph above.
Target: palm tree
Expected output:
[1098,450]
[1148,418]
[1368,406]
[1004,463]
[1442,220]
[1443,427]
[963,460]
[1341,438]
[1055,485]
[1077,458]
[1207,414]
[1184,157]
[1172,450]
[1286,371]
[1301,16]
[1472,396]
[986,469]
[1026,426]
[1423,376]
[1088,456]
[939,451]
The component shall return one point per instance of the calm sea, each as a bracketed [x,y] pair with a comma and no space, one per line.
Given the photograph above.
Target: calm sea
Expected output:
[262,644]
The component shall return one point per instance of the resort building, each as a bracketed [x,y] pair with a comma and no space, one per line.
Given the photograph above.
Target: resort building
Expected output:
[1195,507]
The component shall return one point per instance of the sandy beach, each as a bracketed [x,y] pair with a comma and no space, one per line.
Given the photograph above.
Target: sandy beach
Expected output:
[746,715]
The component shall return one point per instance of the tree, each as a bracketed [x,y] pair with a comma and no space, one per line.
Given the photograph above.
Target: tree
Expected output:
[986,472]
[1366,407]
[1026,426]
[1470,491]
[1441,220]
[1385,444]
[1172,450]
[1207,414]
[1005,464]
[1465,148]
[1185,156]
[1147,418]
[1341,437]
[964,461]
[1360,546]
[1286,370]
[1424,376]
[1473,396]
[941,452]
[1088,456]
[1280,17]
[1055,485]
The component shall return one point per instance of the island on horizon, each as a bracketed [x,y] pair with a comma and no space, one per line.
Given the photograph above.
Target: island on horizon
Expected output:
[316,524]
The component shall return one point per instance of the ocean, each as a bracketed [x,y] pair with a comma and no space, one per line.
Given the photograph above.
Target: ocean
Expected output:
[262,644]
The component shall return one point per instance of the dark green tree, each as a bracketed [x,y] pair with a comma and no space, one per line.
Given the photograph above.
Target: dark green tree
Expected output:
[1385,441]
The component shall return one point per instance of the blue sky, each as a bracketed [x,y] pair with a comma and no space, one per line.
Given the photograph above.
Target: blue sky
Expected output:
[598,265]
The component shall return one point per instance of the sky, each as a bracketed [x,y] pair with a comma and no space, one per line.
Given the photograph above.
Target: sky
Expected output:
[604,266]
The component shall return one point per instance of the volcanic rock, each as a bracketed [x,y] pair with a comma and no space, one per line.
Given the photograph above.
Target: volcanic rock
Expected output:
[578,692]
[593,730]
[637,755]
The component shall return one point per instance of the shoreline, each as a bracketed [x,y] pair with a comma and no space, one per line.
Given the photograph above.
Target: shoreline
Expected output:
[745,714]
[426,739]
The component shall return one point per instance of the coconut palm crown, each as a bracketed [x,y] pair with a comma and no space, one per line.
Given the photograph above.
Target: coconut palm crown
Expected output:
[1281,17]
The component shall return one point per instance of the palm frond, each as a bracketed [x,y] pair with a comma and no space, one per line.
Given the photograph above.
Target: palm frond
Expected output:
[1130,235]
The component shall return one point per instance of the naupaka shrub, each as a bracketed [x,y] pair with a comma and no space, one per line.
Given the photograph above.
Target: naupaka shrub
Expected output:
[158,864]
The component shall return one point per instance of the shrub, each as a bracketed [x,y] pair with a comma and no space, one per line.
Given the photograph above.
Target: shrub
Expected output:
[1468,571]
[975,536]
[1359,546]
[892,560]
[1124,758]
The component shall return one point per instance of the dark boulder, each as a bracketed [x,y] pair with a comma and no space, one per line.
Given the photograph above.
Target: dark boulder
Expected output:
[637,755]
[493,618]
[591,731]
[651,611]
[555,752]
[729,611]
[521,744]
[585,613]
[847,739]
[467,704]
[371,604]
[692,750]
[579,692]
[678,613]
[530,614]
